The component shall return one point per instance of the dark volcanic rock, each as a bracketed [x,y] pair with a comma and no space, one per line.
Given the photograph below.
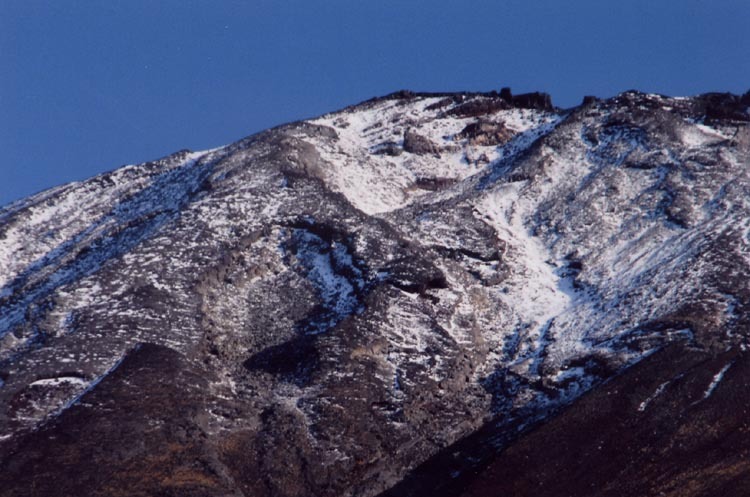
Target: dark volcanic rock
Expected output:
[445,102]
[480,106]
[723,106]
[536,100]
[486,133]
[389,148]
[434,184]
[420,145]
[506,95]
[589,100]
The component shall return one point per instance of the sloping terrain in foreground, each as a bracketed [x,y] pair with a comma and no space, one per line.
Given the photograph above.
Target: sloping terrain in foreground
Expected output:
[423,294]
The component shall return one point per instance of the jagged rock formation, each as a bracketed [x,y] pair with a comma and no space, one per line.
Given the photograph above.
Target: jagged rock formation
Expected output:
[423,294]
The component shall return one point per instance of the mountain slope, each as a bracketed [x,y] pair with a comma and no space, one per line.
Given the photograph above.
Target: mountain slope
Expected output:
[339,306]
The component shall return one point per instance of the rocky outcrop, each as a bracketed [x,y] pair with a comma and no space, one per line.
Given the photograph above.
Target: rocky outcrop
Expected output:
[485,133]
[417,144]
[589,100]
[534,100]
[389,148]
[480,106]
[723,106]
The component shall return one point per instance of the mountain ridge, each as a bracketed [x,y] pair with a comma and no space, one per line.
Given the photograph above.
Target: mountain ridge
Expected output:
[365,289]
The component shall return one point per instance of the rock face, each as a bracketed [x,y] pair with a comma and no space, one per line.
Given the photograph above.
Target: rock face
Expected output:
[324,309]
[420,145]
[535,100]
[486,133]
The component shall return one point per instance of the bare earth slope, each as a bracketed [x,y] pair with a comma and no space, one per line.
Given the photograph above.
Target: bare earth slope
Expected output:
[424,294]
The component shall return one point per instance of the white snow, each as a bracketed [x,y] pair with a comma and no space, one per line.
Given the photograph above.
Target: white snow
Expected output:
[61,380]
[545,295]
[659,390]
[716,380]
[699,135]
[377,184]
[334,288]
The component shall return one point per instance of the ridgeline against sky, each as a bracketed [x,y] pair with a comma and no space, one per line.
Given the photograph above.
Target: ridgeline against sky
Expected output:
[87,87]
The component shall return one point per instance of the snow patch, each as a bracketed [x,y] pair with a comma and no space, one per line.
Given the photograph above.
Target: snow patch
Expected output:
[545,294]
[330,268]
[659,390]
[716,380]
[377,183]
[61,380]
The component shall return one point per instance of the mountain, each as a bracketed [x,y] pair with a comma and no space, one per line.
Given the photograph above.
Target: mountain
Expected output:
[423,294]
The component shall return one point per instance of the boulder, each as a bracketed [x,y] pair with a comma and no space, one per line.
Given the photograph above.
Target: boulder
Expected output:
[536,100]
[486,133]
[388,148]
[420,145]
[723,106]
[476,107]
[506,94]
[445,102]
[589,100]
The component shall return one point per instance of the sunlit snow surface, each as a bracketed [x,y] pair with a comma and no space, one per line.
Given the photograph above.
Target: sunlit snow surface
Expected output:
[381,183]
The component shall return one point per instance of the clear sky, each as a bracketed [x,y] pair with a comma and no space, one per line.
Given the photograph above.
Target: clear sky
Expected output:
[87,86]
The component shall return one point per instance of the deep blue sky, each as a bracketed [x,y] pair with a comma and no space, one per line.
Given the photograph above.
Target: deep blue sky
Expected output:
[86,86]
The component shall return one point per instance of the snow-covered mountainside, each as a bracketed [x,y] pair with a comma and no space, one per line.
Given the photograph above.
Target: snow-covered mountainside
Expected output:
[382,299]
